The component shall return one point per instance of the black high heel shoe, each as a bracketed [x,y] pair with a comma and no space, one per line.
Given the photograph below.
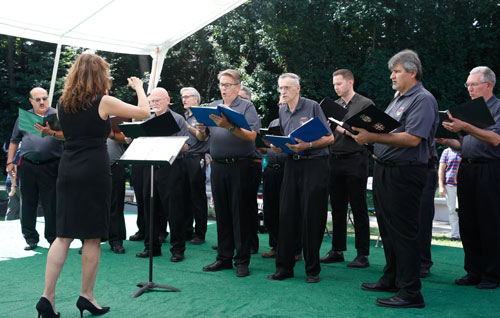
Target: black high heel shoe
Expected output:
[83,303]
[45,310]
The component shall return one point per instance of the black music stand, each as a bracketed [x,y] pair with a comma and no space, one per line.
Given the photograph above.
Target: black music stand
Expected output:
[153,151]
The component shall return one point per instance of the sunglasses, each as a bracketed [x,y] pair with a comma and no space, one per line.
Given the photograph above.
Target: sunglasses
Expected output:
[39,99]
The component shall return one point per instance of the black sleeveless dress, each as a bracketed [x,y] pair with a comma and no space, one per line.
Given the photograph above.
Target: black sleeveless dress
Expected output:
[84,180]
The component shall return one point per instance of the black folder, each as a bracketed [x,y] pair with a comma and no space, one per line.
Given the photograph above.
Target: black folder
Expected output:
[163,125]
[442,132]
[372,119]
[474,112]
[332,109]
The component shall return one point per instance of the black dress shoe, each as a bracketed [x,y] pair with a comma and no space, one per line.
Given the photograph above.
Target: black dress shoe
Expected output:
[215,247]
[118,249]
[312,279]
[30,246]
[280,276]
[254,250]
[377,287]
[242,271]
[487,285]
[467,280]
[177,258]
[217,266]
[361,261]
[196,241]
[332,257]
[425,272]
[269,254]
[138,236]
[396,302]
[145,254]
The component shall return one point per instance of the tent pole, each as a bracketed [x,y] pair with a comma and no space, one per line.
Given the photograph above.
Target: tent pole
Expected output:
[54,72]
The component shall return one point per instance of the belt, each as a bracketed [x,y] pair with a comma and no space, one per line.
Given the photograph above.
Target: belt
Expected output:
[192,154]
[229,160]
[346,155]
[478,160]
[301,157]
[388,163]
[275,166]
[40,162]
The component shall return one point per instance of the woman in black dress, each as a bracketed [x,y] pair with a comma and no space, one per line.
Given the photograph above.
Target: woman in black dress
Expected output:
[84,180]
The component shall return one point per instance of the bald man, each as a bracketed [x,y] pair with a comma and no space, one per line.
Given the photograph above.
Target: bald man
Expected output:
[38,170]
[167,189]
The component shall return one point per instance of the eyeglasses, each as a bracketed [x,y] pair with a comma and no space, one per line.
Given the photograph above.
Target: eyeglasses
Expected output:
[227,85]
[467,85]
[155,101]
[186,96]
[39,99]
[283,88]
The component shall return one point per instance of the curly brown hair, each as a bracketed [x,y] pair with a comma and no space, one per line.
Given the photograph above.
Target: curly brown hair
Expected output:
[87,78]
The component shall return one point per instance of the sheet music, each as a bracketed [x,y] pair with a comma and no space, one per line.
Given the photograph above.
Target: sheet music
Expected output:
[154,149]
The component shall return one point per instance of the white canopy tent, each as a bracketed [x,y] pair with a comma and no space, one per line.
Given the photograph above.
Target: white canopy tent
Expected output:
[146,27]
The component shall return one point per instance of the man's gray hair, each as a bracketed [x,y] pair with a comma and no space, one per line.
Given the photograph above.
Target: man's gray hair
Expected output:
[248,92]
[488,74]
[410,62]
[293,76]
[195,93]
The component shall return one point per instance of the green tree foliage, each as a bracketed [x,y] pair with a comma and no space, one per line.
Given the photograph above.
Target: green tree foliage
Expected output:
[313,38]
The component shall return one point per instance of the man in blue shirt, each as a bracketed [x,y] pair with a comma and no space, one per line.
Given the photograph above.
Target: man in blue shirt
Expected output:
[399,177]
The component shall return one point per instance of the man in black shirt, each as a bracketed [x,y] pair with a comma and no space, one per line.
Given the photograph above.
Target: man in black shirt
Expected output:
[348,176]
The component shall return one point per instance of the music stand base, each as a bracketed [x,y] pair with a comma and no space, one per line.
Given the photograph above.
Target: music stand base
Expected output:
[145,286]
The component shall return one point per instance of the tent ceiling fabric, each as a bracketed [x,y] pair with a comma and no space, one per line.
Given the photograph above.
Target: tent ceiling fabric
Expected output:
[122,26]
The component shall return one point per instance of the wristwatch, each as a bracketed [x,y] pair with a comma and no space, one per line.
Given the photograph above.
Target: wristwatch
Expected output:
[231,129]
[54,133]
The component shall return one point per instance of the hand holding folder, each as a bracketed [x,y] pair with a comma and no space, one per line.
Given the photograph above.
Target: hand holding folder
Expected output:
[202,115]
[311,130]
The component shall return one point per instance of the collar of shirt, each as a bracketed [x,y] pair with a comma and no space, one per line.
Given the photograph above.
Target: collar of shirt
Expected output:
[300,103]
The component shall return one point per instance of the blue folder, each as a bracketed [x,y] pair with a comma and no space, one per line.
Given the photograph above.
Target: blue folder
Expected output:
[311,130]
[202,115]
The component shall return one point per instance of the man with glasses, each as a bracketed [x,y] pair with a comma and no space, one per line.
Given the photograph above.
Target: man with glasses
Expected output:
[232,149]
[37,170]
[168,186]
[195,195]
[478,186]
[399,177]
[304,190]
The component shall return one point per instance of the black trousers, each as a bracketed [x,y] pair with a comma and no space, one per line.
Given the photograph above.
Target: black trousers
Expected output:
[195,196]
[273,178]
[303,210]
[254,224]
[117,230]
[427,211]
[168,185]
[479,218]
[137,181]
[232,194]
[397,196]
[38,182]
[347,185]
